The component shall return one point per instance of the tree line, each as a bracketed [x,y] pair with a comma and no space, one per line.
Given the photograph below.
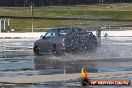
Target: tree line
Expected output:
[26,3]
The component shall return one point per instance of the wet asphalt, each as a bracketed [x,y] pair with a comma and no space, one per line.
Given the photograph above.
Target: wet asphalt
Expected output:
[17,58]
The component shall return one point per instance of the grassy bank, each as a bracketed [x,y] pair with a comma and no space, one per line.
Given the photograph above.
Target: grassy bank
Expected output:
[25,25]
[117,12]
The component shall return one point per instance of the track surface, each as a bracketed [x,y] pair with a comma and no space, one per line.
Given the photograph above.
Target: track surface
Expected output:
[112,60]
[62,77]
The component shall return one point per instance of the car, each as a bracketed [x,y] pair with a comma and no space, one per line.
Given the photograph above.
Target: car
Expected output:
[62,40]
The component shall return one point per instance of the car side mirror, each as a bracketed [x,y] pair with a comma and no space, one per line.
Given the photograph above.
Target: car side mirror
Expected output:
[41,37]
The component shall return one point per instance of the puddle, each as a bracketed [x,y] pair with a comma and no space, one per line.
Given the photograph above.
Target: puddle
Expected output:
[17,59]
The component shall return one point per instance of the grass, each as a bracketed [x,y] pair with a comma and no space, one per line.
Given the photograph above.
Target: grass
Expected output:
[21,25]
[119,11]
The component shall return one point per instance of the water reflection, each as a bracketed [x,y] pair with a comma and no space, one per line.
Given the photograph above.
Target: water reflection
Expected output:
[50,65]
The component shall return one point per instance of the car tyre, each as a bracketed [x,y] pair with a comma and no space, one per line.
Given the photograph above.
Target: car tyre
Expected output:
[36,50]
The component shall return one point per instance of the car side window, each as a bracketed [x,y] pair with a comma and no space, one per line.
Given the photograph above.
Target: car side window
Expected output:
[62,32]
[50,34]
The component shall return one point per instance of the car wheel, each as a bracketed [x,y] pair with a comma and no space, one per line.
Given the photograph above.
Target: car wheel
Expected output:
[91,48]
[36,50]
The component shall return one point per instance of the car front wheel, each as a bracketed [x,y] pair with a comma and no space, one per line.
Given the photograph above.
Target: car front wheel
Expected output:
[36,50]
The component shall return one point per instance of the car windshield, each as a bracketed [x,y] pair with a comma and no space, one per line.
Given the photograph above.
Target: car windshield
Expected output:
[65,31]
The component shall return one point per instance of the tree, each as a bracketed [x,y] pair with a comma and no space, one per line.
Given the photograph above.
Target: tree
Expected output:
[54,2]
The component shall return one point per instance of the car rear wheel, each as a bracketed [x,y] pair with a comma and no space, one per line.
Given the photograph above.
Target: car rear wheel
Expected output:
[91,48]
[36,50]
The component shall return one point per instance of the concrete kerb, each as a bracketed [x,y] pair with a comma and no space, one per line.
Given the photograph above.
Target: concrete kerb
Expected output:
[61,77]
[28,35]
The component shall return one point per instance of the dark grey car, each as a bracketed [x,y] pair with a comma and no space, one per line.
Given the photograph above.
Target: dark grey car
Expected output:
[65,40]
